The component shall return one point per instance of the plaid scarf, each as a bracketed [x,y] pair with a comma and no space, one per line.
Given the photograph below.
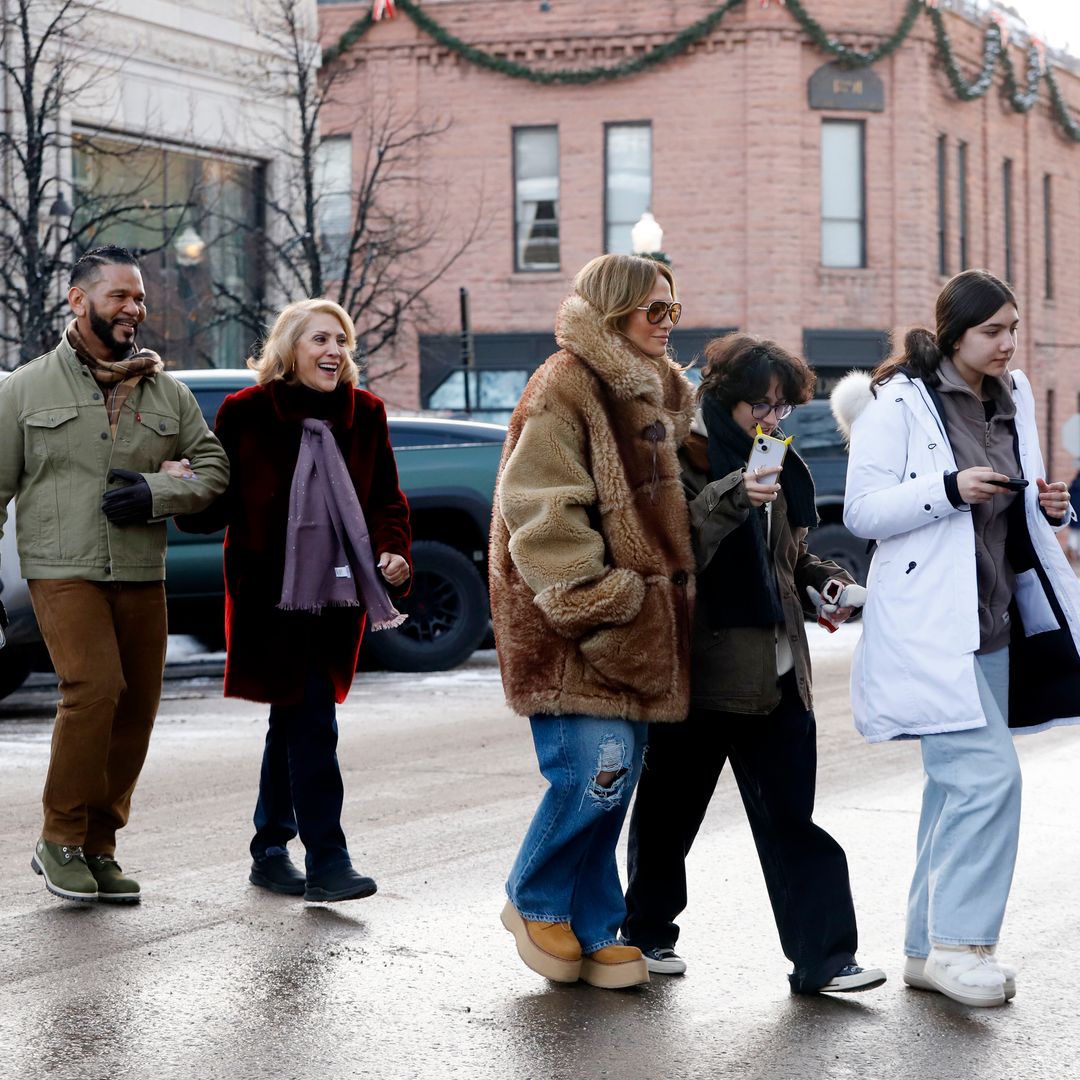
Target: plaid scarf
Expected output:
[117,378]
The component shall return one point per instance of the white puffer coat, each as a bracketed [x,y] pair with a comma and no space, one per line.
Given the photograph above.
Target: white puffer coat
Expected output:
[913,671]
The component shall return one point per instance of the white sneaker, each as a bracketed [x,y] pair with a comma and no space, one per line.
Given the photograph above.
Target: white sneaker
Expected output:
[969,974]
[664,961]
[915,977]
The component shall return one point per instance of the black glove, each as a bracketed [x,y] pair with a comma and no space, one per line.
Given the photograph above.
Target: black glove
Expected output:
[131,505]
[3,616]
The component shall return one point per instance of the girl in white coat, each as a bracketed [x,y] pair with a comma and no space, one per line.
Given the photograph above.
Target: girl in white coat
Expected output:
[972,622]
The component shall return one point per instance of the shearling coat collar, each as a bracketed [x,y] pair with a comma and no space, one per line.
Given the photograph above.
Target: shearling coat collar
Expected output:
[627,373]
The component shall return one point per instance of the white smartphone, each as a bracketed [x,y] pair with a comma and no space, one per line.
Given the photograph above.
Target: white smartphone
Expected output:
[767,453]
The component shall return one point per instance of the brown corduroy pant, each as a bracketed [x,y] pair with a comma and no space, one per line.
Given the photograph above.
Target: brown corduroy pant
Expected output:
[107,643]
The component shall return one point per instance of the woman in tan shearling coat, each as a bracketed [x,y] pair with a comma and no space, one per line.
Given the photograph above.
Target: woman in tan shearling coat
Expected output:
[591,587]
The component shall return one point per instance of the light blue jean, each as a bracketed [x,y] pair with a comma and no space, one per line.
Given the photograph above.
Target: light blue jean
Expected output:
[566,869]
[970,825]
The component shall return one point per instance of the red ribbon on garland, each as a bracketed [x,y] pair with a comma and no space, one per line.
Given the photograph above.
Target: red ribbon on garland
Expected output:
[381,8]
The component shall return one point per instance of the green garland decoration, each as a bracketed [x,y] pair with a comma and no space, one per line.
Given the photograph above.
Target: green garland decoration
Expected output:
[853,57]
[682,41]
[994,53]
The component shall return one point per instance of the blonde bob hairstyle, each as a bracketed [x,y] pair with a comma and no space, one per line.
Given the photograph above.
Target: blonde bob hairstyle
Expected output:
[277,358]
[617,284]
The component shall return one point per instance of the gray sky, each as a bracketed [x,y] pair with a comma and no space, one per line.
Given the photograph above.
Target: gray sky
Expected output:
[1057,22]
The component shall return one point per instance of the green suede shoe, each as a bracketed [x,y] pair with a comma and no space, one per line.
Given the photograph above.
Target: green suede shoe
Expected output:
[63,866]
[112,885]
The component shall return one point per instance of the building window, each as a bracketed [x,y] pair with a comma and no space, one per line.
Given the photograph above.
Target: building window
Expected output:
[942,211]
[1048,238]
[843,213]
[193,219]
[627,182]
[536,198]
[962,202]
[333,194]
[1007,216]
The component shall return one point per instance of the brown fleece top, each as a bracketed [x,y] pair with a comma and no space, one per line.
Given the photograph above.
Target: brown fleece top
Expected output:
[978,441]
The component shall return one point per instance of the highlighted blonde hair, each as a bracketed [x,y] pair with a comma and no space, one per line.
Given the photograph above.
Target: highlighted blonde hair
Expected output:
[617,284]
[277,358]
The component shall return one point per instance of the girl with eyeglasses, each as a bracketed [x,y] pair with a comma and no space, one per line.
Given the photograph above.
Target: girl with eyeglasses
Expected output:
[972,623]
[751,698]
[591,584]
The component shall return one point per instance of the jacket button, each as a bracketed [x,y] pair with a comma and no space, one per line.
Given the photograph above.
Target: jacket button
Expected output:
[927,506]
[108,568]
[161,426]
[97,396]
[104,434]
[680,577]
[912,476]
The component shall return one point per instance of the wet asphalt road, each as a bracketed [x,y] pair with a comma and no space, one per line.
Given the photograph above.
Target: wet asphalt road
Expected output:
[209,977]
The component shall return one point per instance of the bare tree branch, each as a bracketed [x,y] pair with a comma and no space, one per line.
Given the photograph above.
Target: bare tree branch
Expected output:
[378,259]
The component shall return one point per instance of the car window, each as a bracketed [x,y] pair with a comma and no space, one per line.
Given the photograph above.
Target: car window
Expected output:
[405,436]
[814,428]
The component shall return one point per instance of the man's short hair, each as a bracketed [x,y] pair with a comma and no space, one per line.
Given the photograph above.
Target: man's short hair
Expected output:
[88,269]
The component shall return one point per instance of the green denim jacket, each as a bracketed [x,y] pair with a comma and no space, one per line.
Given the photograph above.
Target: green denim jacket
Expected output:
[55,457]
[734,669]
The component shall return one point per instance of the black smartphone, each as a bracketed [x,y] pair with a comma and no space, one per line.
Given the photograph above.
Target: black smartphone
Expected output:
[1014,483]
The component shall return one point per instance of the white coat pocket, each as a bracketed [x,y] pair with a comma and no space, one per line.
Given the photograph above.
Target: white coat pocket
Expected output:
[1035,609]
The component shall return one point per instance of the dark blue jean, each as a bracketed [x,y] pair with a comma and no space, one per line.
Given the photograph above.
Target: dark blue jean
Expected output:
[300,788]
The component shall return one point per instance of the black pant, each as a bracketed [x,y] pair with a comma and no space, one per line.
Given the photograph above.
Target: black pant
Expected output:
[300,788]
[774,758]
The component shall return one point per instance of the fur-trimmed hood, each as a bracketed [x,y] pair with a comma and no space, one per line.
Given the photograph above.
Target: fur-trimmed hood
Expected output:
[851,395]
[627,373]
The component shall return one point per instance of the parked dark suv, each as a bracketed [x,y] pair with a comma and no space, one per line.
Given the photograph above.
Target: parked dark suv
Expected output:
[447,470]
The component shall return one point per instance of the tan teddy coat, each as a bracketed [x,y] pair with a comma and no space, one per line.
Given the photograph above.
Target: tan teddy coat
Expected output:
[591,562]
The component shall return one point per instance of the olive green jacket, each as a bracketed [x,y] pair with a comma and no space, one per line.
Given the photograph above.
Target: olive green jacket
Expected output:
[55,457]
[734,669]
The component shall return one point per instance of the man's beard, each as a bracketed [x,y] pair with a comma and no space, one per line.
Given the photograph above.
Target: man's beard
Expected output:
[103,331]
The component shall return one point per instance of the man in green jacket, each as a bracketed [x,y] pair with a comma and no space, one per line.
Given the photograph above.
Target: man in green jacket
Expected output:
[99,447]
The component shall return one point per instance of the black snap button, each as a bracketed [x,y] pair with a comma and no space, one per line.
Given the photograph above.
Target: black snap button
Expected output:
[104,434]
[108,568]
[96,395]
[912,476]
[680,577]
[161,426]
[910,567]
[927,506]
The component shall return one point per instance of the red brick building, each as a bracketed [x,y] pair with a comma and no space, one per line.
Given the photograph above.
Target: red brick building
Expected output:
[823,208]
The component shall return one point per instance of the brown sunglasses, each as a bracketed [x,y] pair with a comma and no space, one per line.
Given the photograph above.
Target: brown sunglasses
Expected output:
[656,311]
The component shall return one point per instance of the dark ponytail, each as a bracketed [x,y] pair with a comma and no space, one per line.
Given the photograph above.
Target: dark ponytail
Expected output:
[967,300]
[921,358]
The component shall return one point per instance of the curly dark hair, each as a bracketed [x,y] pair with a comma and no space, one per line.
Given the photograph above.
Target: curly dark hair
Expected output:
[740,367]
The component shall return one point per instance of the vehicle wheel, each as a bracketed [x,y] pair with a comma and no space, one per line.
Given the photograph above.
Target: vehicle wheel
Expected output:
[835,543]
[14,667]
[447,609]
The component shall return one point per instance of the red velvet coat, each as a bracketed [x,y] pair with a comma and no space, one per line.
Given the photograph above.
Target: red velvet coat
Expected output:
[270,652]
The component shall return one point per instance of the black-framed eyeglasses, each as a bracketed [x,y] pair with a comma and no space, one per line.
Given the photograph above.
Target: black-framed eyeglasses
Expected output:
[760,409]
[656,311]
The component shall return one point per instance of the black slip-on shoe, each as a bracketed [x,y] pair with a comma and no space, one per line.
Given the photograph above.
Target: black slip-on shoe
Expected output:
[278,874]
[344,884]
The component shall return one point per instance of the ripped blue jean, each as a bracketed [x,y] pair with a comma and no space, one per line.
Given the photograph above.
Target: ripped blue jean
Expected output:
[566,869]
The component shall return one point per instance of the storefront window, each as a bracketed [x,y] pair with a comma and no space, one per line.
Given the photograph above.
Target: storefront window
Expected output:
[192,219]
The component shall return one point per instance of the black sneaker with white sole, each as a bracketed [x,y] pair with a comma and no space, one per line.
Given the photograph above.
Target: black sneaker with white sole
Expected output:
[664,961]
[852,978]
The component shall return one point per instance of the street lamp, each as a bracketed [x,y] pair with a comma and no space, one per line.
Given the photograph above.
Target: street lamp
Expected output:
[647,238]
[189,247]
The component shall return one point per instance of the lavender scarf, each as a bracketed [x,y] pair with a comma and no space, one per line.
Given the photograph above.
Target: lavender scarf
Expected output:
[327,547]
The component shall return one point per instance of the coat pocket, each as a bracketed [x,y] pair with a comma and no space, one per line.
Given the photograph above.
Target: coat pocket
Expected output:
[1035,610]
[638,656]
[49,434]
